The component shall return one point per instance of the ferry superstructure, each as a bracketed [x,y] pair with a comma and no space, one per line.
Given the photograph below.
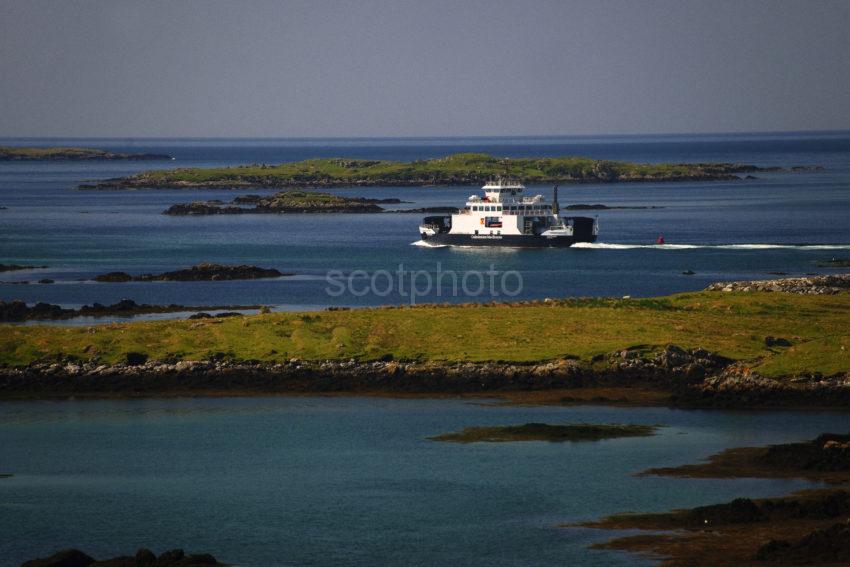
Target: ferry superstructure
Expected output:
[503,217]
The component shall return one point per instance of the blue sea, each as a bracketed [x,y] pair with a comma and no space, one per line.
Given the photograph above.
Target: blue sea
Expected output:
[335,482]
[780,222]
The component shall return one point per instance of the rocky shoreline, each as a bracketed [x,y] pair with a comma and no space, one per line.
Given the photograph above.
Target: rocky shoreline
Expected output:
[809,285]
[694,378]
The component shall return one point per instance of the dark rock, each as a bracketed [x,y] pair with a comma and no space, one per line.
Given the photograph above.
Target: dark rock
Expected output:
[688,273]
[145,558]
[830,545]
[17,267]
[776,341]
[829,452]
[200,315]
[114,277]
[65,558]
[739,511]
[135,358]
[46,281]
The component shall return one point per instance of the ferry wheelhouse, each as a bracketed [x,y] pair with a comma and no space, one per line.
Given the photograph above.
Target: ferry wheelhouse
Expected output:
[504,217]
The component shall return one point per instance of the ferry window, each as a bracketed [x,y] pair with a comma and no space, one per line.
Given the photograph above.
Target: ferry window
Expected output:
[475,208]
[499,208]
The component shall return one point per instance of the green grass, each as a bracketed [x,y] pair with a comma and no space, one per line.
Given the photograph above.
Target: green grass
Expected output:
[545,432]
[731,324]
[454,169]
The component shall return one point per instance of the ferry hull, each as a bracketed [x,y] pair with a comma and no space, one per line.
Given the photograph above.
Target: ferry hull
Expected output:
[505,240]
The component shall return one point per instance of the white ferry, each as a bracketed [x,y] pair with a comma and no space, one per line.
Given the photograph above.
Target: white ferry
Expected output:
[503,217]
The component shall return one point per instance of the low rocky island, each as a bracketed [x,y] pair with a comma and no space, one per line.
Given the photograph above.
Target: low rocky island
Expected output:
[825,459]
[18,311]
[18,267]
[298,202]
[545,432]
[457,169]
[200,272]
[14,153]
[142,558]
[700,349]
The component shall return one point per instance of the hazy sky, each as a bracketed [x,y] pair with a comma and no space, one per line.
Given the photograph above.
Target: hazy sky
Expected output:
[421,68]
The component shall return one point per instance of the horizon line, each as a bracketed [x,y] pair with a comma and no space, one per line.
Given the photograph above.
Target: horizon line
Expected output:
[438,137]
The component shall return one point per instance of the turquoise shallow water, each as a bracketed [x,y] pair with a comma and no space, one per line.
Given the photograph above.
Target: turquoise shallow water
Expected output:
[350,481]
[720,230]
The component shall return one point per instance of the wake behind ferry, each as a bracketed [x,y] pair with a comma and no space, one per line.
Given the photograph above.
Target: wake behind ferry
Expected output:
[503,217]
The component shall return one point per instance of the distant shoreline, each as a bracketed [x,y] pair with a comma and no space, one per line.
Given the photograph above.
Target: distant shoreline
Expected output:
[21,153]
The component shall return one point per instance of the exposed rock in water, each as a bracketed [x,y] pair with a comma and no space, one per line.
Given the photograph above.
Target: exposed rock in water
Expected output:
[17,267]
[809,285]
[545,432]
[143,558]
[200,272]
[835,263]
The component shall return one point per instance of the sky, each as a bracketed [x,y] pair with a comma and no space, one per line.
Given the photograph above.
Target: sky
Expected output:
[336,68]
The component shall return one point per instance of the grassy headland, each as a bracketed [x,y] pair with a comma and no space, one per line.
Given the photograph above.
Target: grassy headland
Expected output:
[457,169]
[14,153]
[735,325]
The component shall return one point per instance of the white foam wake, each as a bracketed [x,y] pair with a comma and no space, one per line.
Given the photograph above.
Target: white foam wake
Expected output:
[612,246]
[427,244]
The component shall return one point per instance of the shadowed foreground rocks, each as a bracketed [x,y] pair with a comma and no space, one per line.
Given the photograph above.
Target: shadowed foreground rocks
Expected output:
[143,558]
[17,311]
[807,528]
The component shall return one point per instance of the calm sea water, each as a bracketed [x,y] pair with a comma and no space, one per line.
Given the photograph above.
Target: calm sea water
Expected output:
[720,230]
[351,481]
